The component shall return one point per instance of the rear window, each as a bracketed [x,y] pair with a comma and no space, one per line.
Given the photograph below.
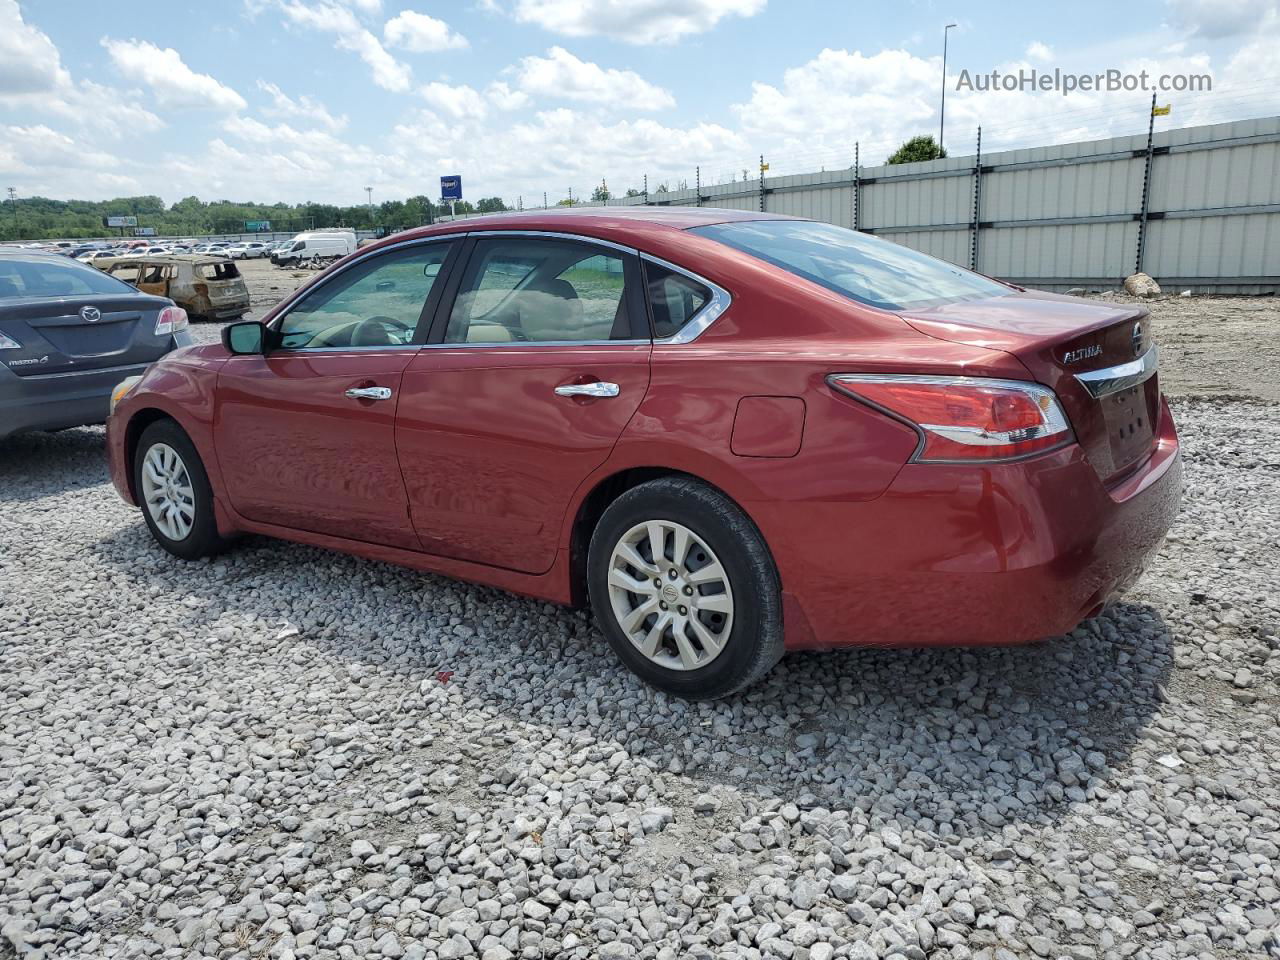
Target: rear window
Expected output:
[218,271]
[40,278]
[861,267]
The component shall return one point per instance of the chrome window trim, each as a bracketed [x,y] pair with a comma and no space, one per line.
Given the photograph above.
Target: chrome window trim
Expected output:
[535,343]
[360,258]
[1108,380]
[711,311]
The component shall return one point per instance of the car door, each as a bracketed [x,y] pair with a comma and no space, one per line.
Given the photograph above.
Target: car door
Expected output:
[305,432]
[155,278]
[539,357]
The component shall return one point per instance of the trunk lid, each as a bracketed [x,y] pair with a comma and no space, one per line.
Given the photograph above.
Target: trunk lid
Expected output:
[56,337]
[1057,338]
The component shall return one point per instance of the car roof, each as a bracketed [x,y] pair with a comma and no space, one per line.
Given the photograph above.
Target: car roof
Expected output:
[617,223]
[170,258]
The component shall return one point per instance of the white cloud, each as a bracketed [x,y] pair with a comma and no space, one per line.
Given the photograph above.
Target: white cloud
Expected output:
[839,97]
[1040,51]
[29,61]
[1217,19]
[419,33]
[502,96]
[633,21]
[388,72]
[461,101]
[44,162]
[562,75]
[172,81]
[32,78]
[305,107]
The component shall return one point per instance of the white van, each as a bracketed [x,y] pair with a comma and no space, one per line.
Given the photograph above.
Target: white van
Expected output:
[318,243]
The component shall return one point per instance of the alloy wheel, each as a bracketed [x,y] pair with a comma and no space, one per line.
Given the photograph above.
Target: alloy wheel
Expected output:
[671,595]
[167,491]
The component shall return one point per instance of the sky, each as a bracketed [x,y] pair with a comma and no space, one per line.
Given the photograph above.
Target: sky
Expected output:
[296,100]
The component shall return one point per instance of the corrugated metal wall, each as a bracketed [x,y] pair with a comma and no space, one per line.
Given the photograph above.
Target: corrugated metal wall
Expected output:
[1063,216]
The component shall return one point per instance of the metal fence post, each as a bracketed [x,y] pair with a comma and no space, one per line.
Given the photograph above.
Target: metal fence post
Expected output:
[857,181]
[762,183]
[977,205]
[1146,189]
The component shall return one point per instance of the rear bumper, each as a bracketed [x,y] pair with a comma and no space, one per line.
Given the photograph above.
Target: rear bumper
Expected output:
[57,401]
[978,555]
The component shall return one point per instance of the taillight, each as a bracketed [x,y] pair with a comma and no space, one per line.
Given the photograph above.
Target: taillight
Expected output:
[966,418]
[171,320]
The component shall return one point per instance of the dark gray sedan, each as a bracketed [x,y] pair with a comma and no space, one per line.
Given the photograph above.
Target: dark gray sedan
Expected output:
[68,335]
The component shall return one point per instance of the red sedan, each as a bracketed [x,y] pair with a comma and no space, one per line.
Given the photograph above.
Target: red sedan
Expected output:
[733,434]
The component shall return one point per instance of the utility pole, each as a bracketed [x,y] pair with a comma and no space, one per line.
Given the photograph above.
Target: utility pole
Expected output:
[942,110]
[13,202]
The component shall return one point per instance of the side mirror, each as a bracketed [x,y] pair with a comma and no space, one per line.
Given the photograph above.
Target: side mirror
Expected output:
[248,337]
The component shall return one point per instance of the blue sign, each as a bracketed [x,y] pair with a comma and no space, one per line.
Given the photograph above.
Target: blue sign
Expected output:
[450,188]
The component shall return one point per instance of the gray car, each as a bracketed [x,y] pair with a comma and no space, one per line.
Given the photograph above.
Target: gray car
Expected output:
[69,334]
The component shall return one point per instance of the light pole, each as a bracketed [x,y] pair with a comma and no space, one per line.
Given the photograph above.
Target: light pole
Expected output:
[942,112]
[368,191]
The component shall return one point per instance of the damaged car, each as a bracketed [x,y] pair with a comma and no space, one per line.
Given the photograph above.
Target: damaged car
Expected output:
[207,287]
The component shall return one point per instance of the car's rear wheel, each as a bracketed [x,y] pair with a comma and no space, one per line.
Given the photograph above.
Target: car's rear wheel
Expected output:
[685,589]
[174,493]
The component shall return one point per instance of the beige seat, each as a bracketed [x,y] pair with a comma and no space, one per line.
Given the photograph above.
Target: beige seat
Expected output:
[550,310]
[488,333]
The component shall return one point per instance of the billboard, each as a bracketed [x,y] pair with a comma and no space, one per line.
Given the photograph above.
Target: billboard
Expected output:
[451,188]
[119,221]
[144,231]
[257,226]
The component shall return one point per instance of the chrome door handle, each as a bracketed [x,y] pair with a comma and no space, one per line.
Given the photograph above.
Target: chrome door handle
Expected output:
[369,393]
[597,389]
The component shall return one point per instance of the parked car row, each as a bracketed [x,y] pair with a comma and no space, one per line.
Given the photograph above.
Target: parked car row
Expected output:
[732,433]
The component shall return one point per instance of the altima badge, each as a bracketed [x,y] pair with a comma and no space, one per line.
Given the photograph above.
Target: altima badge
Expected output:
[1081,353]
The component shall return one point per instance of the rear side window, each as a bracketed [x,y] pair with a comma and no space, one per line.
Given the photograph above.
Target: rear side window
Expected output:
[39,278]
[674,299]
[541,290]
[218,271]
[859,266]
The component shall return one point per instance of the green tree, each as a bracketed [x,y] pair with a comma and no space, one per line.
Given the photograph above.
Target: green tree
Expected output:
[916,150]
[491,205]
[601,193]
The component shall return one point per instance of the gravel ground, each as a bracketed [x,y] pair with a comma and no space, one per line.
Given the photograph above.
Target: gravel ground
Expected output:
[287,752]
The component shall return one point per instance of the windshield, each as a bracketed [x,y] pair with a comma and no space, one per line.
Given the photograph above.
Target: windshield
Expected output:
[861,267]
[54,278]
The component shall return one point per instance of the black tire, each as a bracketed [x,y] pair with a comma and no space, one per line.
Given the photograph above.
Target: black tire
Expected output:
[203,539]
[754,643]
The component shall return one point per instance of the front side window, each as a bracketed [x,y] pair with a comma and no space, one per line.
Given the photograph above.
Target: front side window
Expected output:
[376,303]
[856,265]
[541,290]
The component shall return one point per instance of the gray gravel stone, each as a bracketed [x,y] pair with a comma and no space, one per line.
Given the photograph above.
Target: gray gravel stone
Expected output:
[284,752]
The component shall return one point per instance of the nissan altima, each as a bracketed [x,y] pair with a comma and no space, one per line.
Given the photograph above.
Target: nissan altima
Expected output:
[732,434]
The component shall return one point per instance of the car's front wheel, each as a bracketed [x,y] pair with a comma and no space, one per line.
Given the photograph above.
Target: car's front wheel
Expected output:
[174,493]
[685,589]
